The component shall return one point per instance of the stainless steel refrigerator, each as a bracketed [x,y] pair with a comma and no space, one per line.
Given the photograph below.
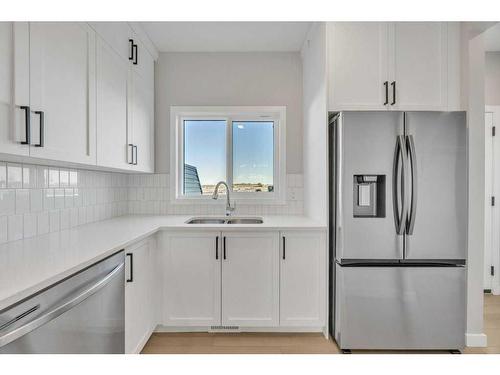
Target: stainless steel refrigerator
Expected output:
[398,229]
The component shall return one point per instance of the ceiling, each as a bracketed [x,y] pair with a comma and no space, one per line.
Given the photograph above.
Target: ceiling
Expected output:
[492,38]
[226,36]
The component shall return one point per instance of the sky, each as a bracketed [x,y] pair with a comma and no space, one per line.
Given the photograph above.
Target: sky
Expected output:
[205,148]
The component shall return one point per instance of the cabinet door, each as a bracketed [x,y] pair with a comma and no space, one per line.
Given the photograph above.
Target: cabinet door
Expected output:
[62,85]
[142,112]
[14,86]
[357,65]
[143,63]
[302,279]
[116,35]
[112,116]
[250,277]
[191,271]
[418,65]
[138,301]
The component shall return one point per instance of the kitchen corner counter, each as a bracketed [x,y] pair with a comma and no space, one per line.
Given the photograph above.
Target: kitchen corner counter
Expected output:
[30,265]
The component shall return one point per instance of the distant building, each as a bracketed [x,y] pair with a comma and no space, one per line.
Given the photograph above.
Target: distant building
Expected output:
[192,184]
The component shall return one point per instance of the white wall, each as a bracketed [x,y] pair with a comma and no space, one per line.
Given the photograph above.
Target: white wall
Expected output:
[315,123]
[476,230]
[492,78]
[267,78]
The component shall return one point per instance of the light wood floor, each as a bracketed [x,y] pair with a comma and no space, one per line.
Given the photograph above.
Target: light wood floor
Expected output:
[291,343]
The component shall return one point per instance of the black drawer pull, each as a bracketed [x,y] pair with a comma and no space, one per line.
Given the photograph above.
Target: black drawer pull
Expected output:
[42,129]
[131,278]
[27,124]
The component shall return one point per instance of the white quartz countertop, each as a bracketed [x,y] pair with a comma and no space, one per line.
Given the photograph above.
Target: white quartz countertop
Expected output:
[30,265]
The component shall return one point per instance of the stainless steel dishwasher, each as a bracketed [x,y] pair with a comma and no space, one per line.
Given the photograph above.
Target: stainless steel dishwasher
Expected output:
[84,313]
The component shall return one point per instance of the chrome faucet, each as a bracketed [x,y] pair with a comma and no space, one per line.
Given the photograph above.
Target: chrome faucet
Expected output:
[215,195]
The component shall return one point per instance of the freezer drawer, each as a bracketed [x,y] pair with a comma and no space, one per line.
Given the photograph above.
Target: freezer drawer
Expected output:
[400,307]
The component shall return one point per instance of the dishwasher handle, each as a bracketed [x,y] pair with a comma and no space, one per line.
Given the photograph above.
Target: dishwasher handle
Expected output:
[59,309]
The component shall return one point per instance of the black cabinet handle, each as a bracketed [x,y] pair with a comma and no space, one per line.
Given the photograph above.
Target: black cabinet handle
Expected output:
[136,53]
[386,85]
[131,278]
[224,247]
[42,129]
[27,124]
[134,148]
[131,43]
[131,153]
[217,247]
[284,248]
[393,84]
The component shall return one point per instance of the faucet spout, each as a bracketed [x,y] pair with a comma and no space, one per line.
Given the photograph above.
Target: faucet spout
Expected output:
[215,195]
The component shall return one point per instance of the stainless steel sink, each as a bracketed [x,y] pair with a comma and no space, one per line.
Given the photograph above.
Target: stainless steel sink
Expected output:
[225,220]
[245,221]
[206,221]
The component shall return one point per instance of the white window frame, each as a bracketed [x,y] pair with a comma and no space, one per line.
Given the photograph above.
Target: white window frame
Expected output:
[178,114]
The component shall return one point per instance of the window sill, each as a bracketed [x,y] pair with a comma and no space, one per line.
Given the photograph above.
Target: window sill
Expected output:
[222,201]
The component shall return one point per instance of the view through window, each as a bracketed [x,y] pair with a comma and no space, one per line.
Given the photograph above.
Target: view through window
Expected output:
[207,157]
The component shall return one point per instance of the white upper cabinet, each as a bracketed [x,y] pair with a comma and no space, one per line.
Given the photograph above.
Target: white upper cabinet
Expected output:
[62,91]
[125,99]
[250,279]
[112,108]
[14,88]
[418,65]
[358,66]
[141,124]
[393,66]
[303,279]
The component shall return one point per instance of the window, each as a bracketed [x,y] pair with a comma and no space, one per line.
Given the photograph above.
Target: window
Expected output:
[243,146]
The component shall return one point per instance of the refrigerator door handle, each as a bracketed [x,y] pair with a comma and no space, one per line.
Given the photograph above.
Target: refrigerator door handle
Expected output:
[413,168]
[399,181]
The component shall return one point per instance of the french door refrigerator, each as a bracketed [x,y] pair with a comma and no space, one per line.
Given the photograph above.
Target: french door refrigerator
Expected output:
[399,212]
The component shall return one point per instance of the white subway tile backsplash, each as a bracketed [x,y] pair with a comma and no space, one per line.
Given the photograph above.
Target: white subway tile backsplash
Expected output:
[58,198]
[30,225]
[53,178]
[7,202]
[36,201]
[43,222]
[14,176]
[29,177]
[64,216]
[4,231]
[68,198]
[54,221]
[3,175]
[22,201]
[15,225]
[42,177]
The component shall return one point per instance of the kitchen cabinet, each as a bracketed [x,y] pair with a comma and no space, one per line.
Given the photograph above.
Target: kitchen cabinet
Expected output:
[302,279]
[62,91]
[358,65]
[112,108]
[191,278]
[14,87]
[419,65]
[250,279]
[393,65]
[125,100]
[140,315]
[141,125]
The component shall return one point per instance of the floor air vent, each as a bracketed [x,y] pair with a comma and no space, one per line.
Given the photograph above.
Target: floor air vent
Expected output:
[224,329]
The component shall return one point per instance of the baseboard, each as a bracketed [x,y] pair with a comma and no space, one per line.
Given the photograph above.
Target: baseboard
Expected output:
[162,328]
[144,340]
[478,340]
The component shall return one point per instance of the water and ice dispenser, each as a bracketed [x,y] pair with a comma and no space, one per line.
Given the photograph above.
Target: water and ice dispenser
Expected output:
[368,195]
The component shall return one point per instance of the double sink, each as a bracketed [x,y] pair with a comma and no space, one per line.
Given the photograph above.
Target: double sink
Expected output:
[225,220]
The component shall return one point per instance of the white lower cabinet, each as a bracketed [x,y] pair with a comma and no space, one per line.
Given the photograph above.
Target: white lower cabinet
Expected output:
[303,279]
[191,278]
[243,279]
[140,296]
[250,279]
